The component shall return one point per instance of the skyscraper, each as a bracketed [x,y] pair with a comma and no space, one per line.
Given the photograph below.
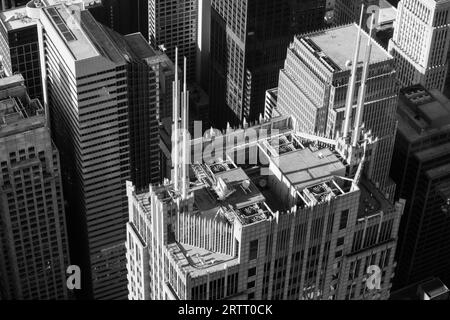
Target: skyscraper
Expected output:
[420,44]
[102,96]
[173,23]
[33,237]
[123,16]
[299,223]
[421,169]
[314,87]
[19,48]
[248,48]
[262,239]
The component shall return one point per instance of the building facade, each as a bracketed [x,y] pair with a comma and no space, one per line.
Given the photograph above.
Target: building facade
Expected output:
[19,48]
[102,95]
[268,213]
[421,170]
[174,24]
[248,47]
[420,44]
[314,87]
[123,16]
[34,250]
[269,237]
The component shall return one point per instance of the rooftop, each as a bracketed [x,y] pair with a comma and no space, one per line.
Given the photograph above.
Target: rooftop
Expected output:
[422,112]
[434,288]
[17,111]
[16,18]
[307,167]
[338,46]
[227,189]
[72,26]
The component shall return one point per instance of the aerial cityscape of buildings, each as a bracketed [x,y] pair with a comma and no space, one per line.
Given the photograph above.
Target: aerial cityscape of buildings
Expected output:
[224,150]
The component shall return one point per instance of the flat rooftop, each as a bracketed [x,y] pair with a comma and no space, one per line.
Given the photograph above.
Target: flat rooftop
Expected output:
[69,26]
[338,44]
[422,112]
[304,168]
[17,18]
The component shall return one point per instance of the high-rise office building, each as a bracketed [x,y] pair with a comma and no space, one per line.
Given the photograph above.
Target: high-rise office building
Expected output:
[102,96]
[173,23]
[241,235]
[421,41]
[19,48]
[421,169]
[123,16]
[33,237]
[298,223]
[248,47]
[314,87]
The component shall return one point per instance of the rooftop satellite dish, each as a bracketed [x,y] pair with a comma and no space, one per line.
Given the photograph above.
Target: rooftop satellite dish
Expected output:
[246,184]
[348,63]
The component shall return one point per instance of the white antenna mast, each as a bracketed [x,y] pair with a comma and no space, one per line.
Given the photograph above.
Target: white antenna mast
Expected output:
[362,92]
[176,152]
[352,82]
[186,142]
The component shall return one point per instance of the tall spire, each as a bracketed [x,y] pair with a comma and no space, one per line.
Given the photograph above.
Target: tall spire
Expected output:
[352,82]
[186,141]
[362,92]
[176,134]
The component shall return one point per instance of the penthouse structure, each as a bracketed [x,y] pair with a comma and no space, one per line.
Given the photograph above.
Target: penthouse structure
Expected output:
[297,220]
[102,92]
[420,44]
[422,172]
[34,251]
[317,87]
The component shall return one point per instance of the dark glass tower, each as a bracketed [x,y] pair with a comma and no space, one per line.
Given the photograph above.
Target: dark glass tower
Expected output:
[421,169]
[249,39]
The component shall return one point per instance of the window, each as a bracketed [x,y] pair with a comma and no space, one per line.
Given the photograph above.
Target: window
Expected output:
[251,296]
[251,272]
[253,250]
[340,241]
[344,218]
[251,285]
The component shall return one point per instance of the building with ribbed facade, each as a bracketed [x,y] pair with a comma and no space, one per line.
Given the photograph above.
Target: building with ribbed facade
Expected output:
[102,95]
[248,47]
[315,84]
[299,221]
[420,44]
[34,250]
[422,172]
